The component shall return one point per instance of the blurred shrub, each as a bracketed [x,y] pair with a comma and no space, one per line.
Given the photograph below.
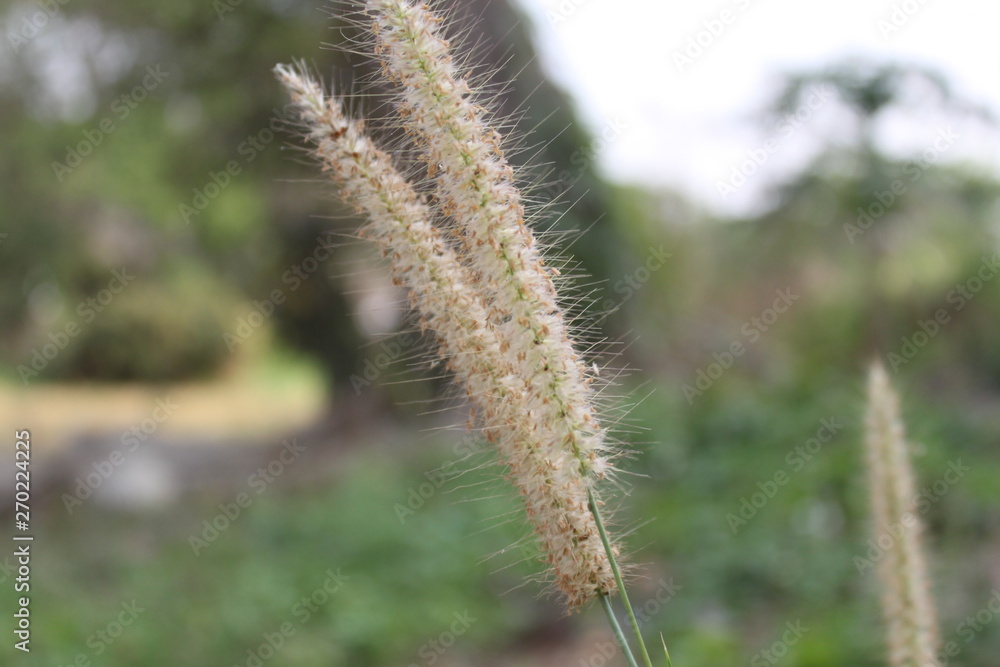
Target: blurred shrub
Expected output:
[153,332]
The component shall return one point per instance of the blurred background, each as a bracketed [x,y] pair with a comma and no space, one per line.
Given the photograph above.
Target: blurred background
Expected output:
[242,458]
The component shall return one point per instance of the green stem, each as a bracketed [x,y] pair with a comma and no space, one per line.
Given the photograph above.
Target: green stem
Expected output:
[618,577]
[626,650]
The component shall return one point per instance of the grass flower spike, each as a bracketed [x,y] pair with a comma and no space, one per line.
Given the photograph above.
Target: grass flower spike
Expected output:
[552,483]
[400,227]
[477,279]
[906,597]
[476,187]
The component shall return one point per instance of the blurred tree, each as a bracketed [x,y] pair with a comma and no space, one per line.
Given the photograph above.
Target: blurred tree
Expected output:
[853,183]
[862,226]
[150,138]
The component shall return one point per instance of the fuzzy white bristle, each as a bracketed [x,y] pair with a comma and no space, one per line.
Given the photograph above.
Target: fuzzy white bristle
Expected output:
[489,297]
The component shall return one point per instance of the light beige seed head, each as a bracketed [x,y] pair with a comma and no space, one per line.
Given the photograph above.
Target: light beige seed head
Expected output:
[506,391]
[912,634]
[476,185]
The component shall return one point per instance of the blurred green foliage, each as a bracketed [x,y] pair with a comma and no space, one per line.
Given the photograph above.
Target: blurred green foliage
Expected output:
[154,138]
[792,561]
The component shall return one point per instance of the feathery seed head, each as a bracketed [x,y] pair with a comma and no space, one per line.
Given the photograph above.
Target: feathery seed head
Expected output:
[906,598]
[513,356]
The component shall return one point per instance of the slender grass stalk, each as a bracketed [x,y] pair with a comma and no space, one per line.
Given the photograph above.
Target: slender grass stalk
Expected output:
[912,635]
[621,585]
[617,629]
[666,653]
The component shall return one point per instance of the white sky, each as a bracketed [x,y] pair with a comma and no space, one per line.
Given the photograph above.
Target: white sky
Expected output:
[689,129]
